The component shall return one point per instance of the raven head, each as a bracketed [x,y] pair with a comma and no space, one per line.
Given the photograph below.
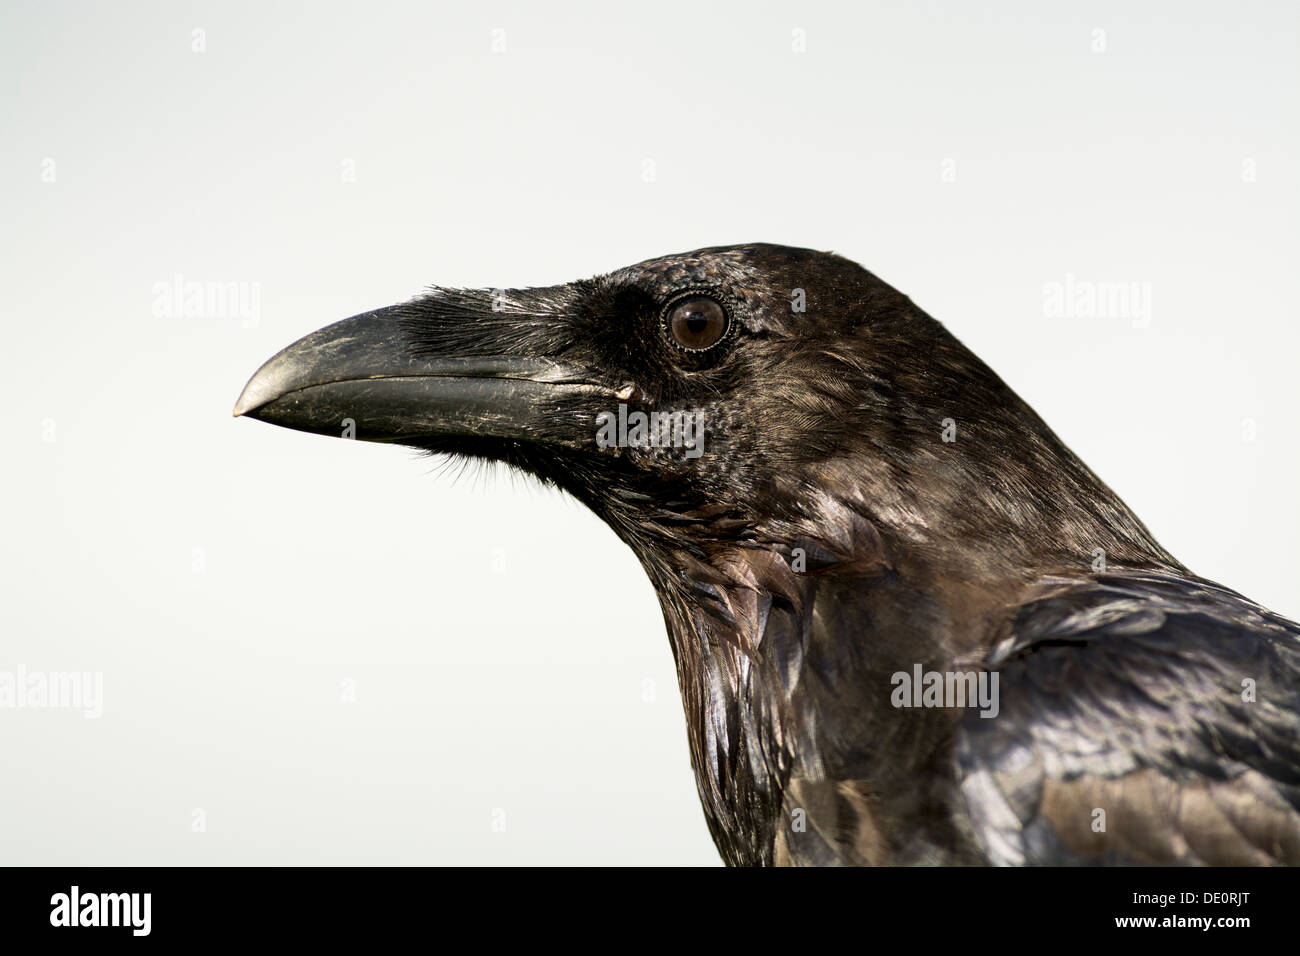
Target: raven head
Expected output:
[708,381]
[754,394]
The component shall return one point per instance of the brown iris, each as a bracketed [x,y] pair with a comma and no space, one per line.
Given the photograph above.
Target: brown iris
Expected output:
[697,323]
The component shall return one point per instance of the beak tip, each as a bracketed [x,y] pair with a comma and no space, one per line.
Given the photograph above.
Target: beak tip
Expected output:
[259,391]
[242,406]
[247,404]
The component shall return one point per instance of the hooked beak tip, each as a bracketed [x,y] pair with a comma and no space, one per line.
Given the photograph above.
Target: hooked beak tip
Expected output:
[261,390]
[243,405]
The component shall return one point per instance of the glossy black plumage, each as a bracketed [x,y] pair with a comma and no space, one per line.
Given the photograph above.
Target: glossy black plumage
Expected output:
[871,500]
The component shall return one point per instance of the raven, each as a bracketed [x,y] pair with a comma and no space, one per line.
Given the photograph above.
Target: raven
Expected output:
[910,626]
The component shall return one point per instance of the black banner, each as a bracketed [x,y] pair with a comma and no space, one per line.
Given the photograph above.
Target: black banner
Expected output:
[96,905]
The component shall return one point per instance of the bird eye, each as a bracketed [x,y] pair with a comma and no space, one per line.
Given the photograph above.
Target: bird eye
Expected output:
[696,323]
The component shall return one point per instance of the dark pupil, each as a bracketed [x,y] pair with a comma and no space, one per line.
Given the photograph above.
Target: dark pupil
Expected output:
[696,322]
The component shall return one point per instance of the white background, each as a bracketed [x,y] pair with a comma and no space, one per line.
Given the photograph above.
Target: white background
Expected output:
[228,577]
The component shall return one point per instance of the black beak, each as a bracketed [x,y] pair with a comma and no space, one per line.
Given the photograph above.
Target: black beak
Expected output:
[361,378]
